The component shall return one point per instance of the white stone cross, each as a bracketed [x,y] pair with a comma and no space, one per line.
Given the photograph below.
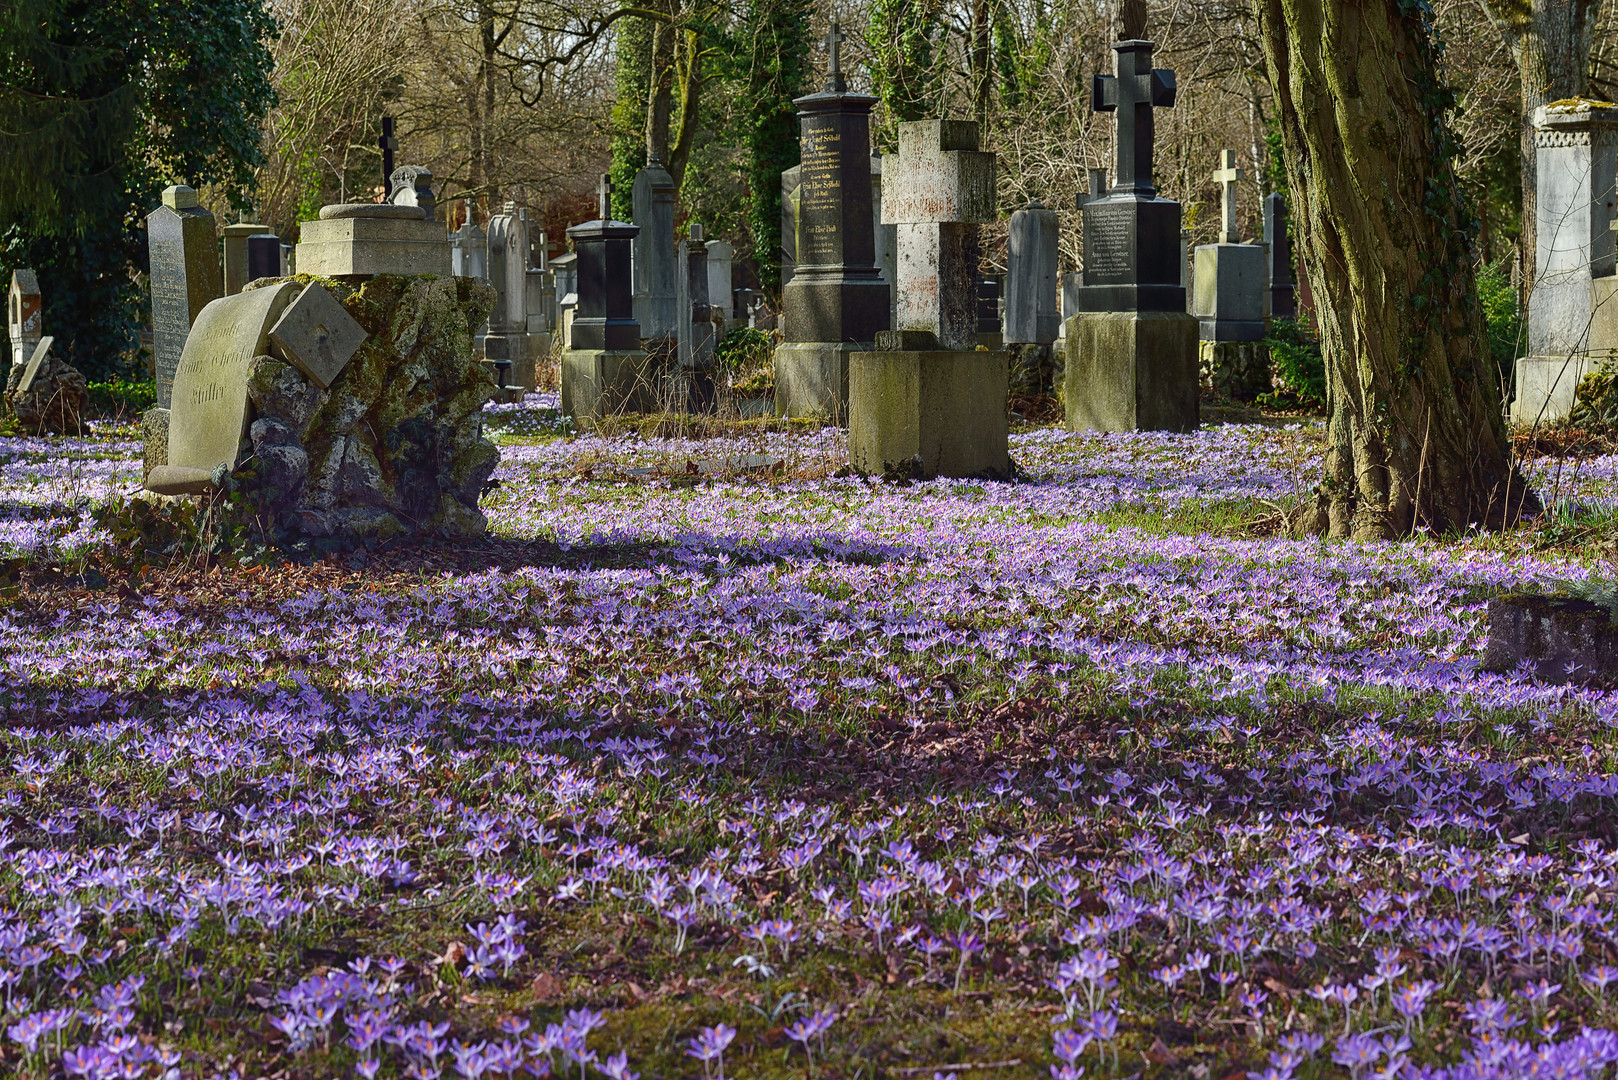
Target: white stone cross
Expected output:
[1227,175]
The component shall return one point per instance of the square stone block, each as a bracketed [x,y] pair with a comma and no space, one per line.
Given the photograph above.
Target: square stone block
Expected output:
[1229,289]
[599,382]
[928,412]
[1132,371]
[811,379]
[1545,386]
[341,247]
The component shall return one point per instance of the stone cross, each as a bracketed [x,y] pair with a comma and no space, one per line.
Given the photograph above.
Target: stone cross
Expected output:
[388,144]
[1227,175]
[938,191]
[1133,91]
[834,74]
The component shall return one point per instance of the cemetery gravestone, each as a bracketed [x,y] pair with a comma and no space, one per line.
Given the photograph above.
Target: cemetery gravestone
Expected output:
[1278,238]
[1072,283]
[887,242]
[836,302]
[353,241]
[24,315]
[1573,307]
[695,385]
[1230,282]
[508,345]
[208,414]
[791,182]
[184,277]
[235,249]
[721,259]
[655,278]
[263,256]
[1032,321]
[927,402]
[1132,348]
[468,253]
[604,370]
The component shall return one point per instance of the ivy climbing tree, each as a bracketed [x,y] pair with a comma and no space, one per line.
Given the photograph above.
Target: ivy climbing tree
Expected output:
[628,141]
[101,106]
[904,40]
[1415,434]
[777,68]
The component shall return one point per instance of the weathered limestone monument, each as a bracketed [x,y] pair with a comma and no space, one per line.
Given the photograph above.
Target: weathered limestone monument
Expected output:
[1572,310]
[185,276]
[926,401]
[836,301]
[364,239]
[1132,348]
[1031,320]
[604,370]
[1229,303]
[721,278]
[655,280]
[468,248]
[506,346]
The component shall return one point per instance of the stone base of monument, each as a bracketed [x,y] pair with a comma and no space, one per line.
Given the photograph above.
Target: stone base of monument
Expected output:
[918,412]
[1131,371]
[598,383]
[1561,639]
[355,239]
[55,399]
[392,447]
[1546,387]
[1234,370]
[811,379]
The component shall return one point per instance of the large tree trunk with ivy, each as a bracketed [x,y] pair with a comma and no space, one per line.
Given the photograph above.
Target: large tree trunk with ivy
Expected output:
[628,119]
[1550,41]
[1415,435]
[777,69]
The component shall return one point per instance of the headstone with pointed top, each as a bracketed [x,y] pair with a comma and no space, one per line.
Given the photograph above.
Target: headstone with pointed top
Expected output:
[506,345]
[836,302]
[184,277]
[1132,348]
[604,370]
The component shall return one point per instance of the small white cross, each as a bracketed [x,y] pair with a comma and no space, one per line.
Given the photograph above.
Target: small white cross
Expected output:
[1227,175]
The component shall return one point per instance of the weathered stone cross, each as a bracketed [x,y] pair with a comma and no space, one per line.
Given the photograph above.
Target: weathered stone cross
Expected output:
[1227,175]
[834,72]
[1133,91]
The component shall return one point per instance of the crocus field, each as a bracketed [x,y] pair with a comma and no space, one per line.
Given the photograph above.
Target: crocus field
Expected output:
[714,762]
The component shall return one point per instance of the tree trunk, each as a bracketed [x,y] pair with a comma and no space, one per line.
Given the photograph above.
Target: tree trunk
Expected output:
[1415,435]
[978,57]
[1550,40]
[688,71]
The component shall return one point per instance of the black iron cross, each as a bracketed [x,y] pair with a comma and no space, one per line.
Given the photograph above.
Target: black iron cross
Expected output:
[1133,92]
[388,144]
[605,189]
[834,73]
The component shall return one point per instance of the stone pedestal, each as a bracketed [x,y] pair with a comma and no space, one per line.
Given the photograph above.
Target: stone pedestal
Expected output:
[602,382]
[811,379]
[1132,371]
[365,239]
[1234,370]
[920,412]
[1229,297]
[1572,314]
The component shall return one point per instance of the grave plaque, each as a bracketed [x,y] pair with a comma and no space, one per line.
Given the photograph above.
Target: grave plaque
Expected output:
[185,277]
[208,412]
[35,362]
[317,336]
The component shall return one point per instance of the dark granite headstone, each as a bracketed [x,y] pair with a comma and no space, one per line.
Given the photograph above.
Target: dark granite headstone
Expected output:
[988,305]
[605,317]
[836,293]
[1283,288]
[263,256]
[185,276]
[1132,237]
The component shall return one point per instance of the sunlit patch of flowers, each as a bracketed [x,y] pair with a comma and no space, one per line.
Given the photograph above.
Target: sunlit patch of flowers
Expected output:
[1254,786]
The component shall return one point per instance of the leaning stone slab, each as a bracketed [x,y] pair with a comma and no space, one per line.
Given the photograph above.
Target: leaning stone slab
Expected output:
[316,335]
[208,414]
[31,371]
[1563,639]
